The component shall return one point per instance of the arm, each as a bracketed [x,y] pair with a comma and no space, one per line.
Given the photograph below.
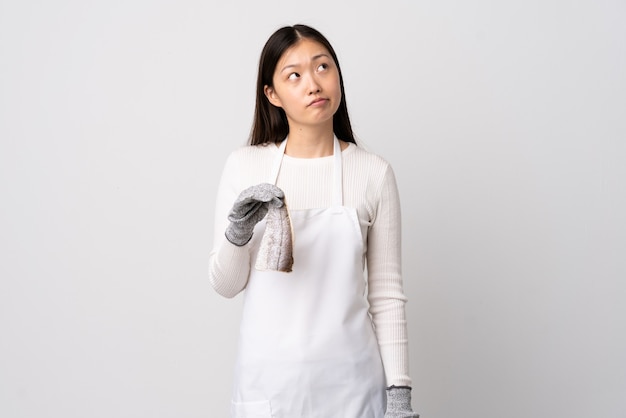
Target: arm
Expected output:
[229,265]
[387,299]
[386,295]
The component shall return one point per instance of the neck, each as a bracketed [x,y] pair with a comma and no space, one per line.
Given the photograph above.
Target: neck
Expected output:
[310,142]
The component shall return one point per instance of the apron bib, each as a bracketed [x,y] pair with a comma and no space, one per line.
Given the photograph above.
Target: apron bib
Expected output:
[307,347]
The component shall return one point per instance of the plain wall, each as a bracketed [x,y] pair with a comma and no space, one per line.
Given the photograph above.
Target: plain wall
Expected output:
[504,122]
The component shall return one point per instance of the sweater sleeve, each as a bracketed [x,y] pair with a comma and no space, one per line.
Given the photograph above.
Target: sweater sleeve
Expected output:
[229,265]
[386,295]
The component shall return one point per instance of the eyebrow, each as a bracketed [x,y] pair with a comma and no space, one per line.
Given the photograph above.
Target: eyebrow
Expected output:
[315,57]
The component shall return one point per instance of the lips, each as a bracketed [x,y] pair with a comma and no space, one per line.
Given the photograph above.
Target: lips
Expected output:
[318,102]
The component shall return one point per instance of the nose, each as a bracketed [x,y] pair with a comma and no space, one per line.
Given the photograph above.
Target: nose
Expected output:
[314,86]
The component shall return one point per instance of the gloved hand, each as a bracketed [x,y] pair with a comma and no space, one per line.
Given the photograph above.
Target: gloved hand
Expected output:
[250,207]
[399,403]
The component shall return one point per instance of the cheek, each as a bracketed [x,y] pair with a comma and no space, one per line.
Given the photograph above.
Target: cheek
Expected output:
[335,83]
[285,95]
[337,88]
[288,98]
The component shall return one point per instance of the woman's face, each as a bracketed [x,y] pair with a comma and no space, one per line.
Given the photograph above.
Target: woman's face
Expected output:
[306,85]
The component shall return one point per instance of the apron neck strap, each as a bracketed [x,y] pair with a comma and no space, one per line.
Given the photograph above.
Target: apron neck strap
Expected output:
[337,170]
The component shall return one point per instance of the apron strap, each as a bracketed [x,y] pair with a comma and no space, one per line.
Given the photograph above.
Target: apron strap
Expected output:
[337,176]
[337,170]
[277,162]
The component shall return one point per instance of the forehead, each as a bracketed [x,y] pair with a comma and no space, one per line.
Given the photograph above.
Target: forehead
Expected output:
[302,52]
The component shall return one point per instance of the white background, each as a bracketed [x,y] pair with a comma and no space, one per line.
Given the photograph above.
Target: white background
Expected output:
[504,121]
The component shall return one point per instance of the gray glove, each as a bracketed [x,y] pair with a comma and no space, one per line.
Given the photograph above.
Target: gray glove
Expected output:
[250,207]
[399,403]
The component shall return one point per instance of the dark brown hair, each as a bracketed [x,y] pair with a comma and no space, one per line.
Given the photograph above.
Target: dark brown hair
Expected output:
[270,122]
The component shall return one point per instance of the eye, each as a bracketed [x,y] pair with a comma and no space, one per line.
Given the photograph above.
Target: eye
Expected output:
[322,67]
[293,76]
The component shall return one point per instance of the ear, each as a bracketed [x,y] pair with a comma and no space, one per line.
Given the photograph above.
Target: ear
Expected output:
[271,95]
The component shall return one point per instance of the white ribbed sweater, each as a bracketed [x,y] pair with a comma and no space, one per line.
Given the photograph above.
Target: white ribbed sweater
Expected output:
[369,186]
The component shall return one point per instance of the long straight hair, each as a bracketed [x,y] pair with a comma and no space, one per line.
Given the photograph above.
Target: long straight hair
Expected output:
[270,122]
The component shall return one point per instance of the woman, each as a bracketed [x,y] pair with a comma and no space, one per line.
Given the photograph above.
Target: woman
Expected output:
[319,338]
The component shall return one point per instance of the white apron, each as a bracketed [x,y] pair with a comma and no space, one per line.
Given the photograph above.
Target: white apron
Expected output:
[307,347]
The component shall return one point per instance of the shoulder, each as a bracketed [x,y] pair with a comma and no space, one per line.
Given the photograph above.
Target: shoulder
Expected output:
[250,164]
[250,158]
[252,153]
[364,162]
[369,183]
